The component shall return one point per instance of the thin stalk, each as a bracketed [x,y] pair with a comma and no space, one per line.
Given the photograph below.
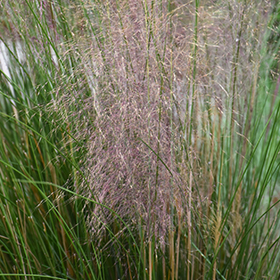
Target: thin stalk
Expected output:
[171,254]
[163,263]
[150,261]
[191,120]
[148,26]
[234,85]
[178,247]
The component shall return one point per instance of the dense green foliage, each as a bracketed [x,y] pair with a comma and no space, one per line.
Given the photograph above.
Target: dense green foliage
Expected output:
[139,139]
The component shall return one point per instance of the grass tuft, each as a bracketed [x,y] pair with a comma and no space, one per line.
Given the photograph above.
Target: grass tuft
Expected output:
[139,139]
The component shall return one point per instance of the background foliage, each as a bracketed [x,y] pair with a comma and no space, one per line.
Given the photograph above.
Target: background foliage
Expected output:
[139,139]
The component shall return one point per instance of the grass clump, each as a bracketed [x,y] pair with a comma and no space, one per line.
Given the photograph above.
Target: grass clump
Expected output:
[139,140]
